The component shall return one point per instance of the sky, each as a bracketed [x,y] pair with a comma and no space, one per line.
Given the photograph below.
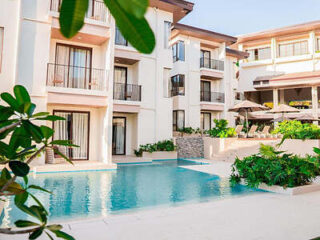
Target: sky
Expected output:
[236,17]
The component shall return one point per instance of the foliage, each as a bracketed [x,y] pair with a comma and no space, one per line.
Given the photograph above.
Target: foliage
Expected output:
[274,167]
[21,141]
[297,130]
[128,14]
[187,130]
[161,146]
[221,130]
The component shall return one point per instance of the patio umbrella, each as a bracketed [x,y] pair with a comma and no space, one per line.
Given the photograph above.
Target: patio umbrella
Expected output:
[282,108]
[307,117]
[247,106]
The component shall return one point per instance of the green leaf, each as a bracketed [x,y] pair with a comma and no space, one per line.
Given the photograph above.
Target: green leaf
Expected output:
[54,227]
[49,236]
[19,137]
[47,132]
[5,174]
[29,108]
[39,188]
[62,155]
[37,233]
[21,94]
[40,213]
[136,30]
[39,203]
[316,150]
[8,98]
[34,130]
[63,235]
[40,114]
[66,143]
[5,113]
[26,180]
[20,199]
[51,118]
[72,15]
[20,169]
[25,223]
[136,8]
[15,188]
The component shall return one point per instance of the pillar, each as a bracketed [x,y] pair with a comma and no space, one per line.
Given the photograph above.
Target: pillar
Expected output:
[275,97]
[315,103]
[281,93]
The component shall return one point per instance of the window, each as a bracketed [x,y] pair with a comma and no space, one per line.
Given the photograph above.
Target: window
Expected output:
[76,129]
[205,60]
[1,45]
[178,119]
[259,54]
[120,40]
[72,67]
[177,85]
[205,121]
[167,32]
[293,49]
[178,51]
[166,83]
[318,45]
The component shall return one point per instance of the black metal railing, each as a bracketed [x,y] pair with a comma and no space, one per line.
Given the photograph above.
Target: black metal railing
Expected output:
[177,91]
[67,76]
[206,96]
[211,64]
[126,92]
[97,9]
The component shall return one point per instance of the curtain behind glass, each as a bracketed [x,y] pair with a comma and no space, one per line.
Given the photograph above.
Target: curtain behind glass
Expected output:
[80,135]
[61,129]
[1,45]
[118,136]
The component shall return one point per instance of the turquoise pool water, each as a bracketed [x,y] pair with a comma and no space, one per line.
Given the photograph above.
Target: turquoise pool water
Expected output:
[95,194]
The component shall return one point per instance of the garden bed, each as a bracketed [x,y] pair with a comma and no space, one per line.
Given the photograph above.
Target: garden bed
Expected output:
[300,147]
[213,146]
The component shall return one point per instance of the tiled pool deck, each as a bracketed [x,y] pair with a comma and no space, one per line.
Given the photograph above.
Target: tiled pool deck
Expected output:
[257,216]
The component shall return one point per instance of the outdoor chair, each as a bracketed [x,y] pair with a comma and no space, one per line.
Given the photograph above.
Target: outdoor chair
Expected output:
[252,131]
[265,133]
[238,130]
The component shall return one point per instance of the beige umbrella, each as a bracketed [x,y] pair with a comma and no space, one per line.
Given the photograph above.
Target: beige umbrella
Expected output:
[307,117]
[247,106]
[282,108]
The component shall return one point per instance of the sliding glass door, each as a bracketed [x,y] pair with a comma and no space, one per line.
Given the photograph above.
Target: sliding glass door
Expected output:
[76,129]
[73,66]
[119,136]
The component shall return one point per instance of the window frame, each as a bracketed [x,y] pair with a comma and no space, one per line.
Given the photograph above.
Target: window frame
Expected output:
[255,52]
[166,34]
[175,119]
[176,51]
[292,45]
[175,85]
[202,114]
[1,46]
[117,32]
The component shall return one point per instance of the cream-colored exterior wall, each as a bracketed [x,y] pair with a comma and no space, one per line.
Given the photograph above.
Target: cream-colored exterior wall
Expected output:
[190,102]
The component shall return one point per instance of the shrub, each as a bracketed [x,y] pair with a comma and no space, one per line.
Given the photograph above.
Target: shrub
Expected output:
[221,130]
[161,146]
[187,130]
[275,168]
[297,130]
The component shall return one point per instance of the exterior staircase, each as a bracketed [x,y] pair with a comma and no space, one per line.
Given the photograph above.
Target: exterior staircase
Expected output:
[242,148]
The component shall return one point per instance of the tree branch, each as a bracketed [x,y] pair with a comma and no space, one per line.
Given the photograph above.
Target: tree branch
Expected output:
[9,231]
[12,125]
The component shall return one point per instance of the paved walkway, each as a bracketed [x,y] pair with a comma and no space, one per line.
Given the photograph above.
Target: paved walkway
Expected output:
[257,216]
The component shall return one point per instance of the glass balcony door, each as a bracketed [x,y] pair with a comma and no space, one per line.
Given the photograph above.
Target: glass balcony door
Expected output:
[73,66]
[119,136]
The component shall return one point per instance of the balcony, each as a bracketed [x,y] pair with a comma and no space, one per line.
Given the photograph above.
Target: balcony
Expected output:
[211,69]
[96,11]
[214,97]
[66,76]
[127,92]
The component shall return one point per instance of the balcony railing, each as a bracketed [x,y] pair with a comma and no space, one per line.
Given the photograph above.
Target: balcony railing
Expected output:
[97,9]
[211,64]
[206,96]
[126,92]
[67,76]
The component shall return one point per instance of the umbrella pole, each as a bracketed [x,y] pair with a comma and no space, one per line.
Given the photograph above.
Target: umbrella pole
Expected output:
[247,122]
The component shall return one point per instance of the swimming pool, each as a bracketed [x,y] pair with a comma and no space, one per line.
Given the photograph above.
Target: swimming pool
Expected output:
[131,187]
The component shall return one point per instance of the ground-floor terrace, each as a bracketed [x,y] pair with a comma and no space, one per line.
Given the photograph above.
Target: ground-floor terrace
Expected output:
[262,215]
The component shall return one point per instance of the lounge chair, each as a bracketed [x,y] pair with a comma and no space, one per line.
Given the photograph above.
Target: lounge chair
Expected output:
[238,130]
[264,133]
[252,131]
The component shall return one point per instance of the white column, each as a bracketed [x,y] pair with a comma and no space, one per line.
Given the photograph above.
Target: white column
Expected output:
[281,93]
[314,94]
[273,48]
[275,97]
[312,42]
